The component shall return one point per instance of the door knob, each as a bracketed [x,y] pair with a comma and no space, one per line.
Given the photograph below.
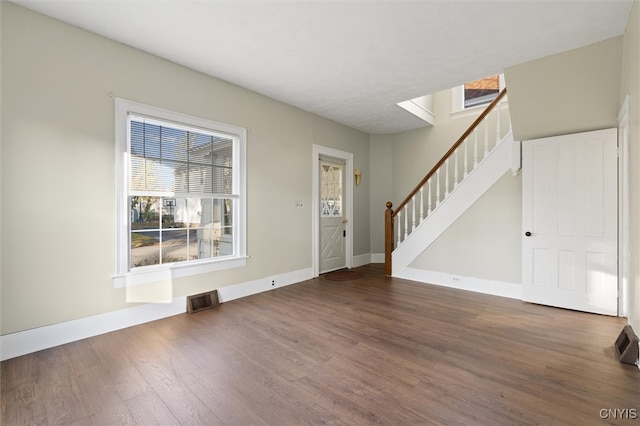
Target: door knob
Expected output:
[345,221]
[528,234]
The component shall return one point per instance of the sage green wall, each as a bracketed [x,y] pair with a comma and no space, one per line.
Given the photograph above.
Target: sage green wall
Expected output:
[380,163]
[631,86]
[571,92]
[485,242]
[58,213]
[416,151]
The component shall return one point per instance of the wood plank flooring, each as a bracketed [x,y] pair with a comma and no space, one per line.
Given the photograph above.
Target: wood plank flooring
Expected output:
[375,350]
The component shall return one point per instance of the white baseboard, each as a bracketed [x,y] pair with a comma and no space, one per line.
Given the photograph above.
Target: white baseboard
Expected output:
[478,285]
[28,341]
[377,257]
[361,260]
[225,294]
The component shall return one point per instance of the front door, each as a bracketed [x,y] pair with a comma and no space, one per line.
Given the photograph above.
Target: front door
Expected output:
[569,218]
[332,217]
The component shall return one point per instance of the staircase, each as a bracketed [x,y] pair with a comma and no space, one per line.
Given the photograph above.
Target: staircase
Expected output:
[473,164]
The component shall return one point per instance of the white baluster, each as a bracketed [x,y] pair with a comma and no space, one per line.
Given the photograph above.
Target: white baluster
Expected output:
[486,137]
[466,168]
[455,168]
[475,147]
[446,178]
[437,187]
[421,203]
[413,212]
[399,227]
[406,222]
[429,197]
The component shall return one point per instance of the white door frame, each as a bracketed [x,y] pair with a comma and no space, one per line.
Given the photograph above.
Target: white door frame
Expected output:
[624,245]
[318,152]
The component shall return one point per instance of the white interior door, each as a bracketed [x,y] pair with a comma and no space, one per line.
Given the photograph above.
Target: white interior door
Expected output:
[332,218]
[569,218]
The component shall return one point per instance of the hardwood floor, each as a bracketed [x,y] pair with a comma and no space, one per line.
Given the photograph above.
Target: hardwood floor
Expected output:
[373,350]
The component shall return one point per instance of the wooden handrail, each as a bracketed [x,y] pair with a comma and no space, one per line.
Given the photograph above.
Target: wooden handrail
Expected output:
[451,150]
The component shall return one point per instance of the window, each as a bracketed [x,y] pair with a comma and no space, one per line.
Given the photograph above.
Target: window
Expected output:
[480,92]
[330,190]
[181,202]
[472,97]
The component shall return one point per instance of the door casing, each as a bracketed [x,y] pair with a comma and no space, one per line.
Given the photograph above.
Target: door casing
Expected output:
[624,227]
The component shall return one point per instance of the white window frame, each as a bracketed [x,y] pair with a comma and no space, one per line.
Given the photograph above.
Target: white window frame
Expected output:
[124,276]
[457,101]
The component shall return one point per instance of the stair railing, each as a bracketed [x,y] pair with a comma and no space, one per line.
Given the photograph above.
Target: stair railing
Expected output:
[411,212]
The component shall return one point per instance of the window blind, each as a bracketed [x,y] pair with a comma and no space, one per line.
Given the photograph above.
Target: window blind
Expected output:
[177,159]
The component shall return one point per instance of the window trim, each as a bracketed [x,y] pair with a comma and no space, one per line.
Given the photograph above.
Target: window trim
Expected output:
[123,275]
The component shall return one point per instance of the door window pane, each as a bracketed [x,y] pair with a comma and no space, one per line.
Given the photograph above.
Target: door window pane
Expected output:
[330,190]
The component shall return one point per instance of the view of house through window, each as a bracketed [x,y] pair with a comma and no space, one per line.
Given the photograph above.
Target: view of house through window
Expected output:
[180,193]
[481,91]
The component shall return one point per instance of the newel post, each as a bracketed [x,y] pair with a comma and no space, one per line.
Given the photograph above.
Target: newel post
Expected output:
[388,238]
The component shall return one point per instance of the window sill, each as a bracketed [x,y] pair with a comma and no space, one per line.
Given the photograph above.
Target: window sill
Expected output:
[474,111]
[171,271]
[468,112]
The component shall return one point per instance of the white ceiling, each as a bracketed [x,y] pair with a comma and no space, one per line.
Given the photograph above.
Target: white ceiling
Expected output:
[349,61]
